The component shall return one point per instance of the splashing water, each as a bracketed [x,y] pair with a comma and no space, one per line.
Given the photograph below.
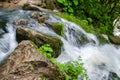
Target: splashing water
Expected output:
[99,60]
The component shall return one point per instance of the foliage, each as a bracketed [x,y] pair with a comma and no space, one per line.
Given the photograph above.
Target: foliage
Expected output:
[99,13]
[72,69]
[58,28]
[46,50]
[83,23]
[68,5]
[61,28]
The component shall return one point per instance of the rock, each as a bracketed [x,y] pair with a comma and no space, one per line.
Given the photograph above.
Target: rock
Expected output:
[41,19]
[39,16]
[34,15]
[114,39]
[57,27]
[28,6]
[113,76]
[39,39]
[103,39]
[20,22]
[3,22]
[36,2]
[12,4]
[26,63]
[49,4]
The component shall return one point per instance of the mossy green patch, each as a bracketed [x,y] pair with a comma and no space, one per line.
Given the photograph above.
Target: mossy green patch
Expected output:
[83,23]
[57,27]
[101,39]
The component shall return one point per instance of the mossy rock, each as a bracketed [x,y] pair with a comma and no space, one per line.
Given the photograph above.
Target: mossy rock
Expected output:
[101,39]
[113,76]
[57,27]
[39,39]
[3,22]
[114,39]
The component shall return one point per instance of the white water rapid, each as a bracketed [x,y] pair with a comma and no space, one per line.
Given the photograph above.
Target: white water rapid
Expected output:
[99,60]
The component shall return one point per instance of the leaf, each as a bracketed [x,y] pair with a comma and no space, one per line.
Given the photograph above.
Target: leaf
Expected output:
[70,10]
[75,2]
[60,1]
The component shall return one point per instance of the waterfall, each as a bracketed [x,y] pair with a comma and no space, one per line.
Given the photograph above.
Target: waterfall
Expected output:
[99,60]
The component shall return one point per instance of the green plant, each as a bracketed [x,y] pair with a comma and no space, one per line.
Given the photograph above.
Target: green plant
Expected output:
[96,12]
[46,50]
[60,28]
[83,23]
[72,69]
[68,5]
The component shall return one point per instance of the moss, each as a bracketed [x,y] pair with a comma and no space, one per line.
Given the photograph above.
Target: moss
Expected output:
[101,39]
[3,22]
[57,27]
[114,76]
[83,23]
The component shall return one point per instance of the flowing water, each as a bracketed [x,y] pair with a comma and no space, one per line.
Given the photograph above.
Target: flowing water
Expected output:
[99,60]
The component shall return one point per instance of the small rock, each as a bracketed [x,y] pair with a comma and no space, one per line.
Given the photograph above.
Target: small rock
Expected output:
[20,22]
[34,15]
[41,19]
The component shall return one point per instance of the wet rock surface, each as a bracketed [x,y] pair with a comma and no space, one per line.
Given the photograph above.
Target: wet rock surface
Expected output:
[39,39]
[20,22]
[26,63]
[114,39]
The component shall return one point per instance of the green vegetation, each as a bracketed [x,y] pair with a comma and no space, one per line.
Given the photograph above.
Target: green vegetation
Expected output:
[46,50]
[71,69]
[97,13]
[83,23]
[57,27]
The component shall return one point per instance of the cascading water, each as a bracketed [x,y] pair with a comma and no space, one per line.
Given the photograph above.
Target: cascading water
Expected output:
[99,60]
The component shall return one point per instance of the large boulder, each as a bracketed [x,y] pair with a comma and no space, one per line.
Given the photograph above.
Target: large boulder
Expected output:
[26,63]
[114,39]
[39,39]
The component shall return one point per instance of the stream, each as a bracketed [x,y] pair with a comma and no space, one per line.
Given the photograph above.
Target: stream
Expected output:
[100,60]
